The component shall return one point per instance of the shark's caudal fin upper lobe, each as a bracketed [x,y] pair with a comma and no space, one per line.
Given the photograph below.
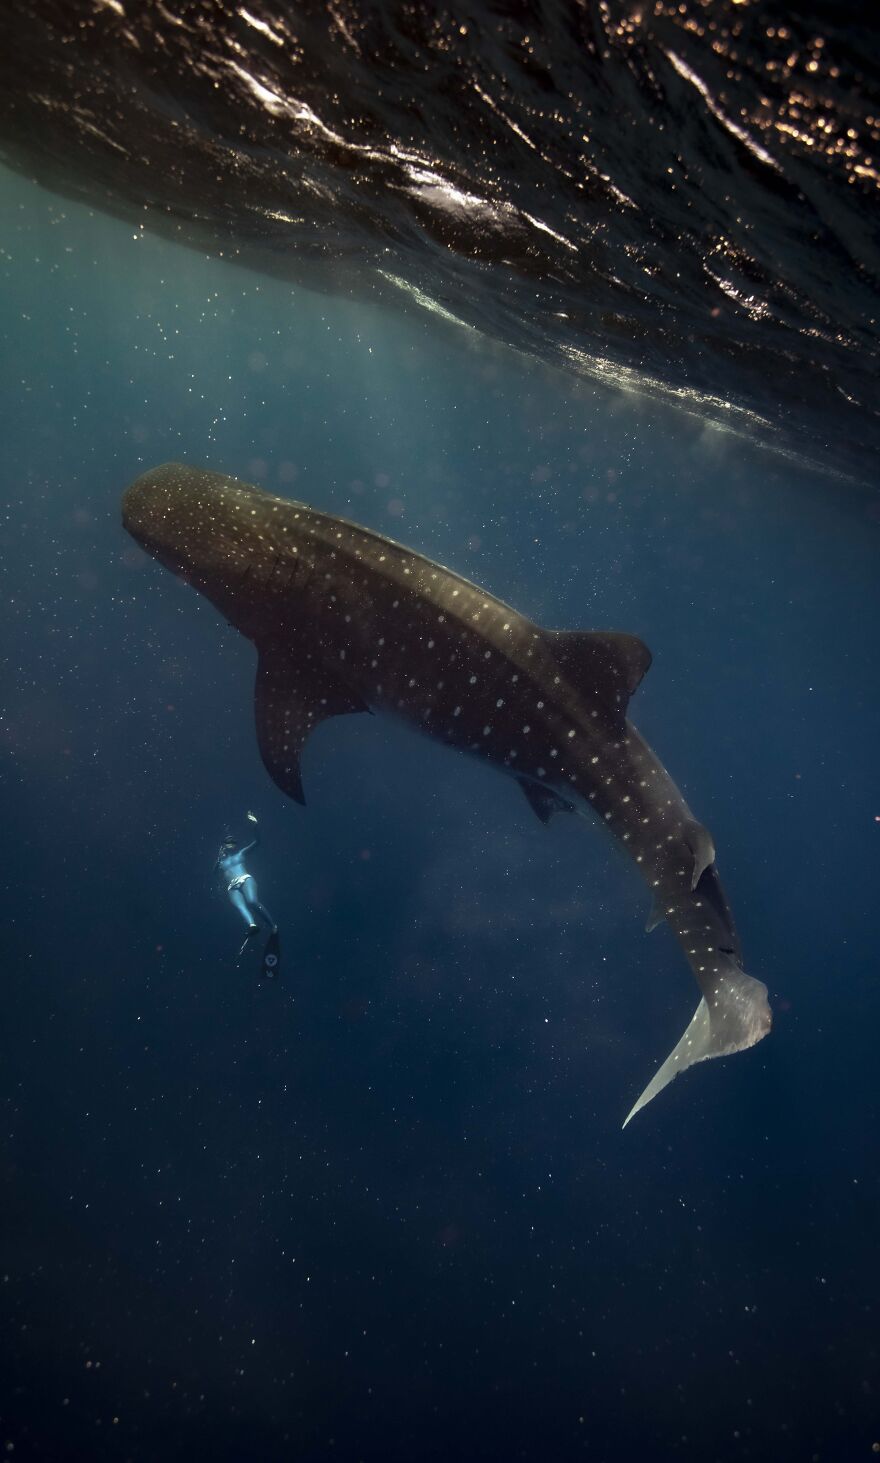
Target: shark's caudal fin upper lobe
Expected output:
[731,1016]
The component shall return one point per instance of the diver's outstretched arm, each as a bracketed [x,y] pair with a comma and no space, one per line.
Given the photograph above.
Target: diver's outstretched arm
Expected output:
[251,817]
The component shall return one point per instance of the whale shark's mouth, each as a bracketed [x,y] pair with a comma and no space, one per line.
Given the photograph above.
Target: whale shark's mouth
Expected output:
[148,507]
[181,520]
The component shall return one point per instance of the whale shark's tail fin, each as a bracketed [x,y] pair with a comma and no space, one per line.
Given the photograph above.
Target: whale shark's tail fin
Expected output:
[731,1016]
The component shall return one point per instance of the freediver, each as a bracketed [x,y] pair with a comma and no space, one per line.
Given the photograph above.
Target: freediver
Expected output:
[244,897]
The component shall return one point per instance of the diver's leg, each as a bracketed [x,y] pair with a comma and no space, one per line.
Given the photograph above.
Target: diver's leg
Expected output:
[240,903]
[268,918]
[254,904]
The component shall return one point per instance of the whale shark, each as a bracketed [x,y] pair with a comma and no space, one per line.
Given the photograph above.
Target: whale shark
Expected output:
[346,620]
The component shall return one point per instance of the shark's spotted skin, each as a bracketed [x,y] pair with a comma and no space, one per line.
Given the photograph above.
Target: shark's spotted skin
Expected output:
[346,620]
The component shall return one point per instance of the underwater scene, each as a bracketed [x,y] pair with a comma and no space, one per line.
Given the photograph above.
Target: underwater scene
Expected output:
[439,732]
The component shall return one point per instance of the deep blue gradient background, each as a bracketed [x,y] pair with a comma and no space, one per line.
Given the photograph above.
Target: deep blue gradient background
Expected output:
[385,1210]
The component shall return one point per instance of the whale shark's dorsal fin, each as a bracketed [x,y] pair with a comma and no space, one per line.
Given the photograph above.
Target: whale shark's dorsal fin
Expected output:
[603,665]
[294,694]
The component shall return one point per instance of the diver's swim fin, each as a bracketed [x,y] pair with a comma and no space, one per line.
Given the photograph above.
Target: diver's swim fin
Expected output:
[272,957]
[252,930]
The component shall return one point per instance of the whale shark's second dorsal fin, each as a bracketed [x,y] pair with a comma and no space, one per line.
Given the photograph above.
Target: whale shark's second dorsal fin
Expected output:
[293,695]
[604,666]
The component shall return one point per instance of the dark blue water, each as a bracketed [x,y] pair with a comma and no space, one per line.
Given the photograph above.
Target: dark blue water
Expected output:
[384,1210]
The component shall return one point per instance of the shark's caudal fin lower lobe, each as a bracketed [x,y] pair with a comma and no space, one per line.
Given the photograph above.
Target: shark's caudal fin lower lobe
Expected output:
[731,1017]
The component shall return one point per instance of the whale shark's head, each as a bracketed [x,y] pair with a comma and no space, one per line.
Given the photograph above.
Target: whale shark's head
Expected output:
[195,523]
[211,531]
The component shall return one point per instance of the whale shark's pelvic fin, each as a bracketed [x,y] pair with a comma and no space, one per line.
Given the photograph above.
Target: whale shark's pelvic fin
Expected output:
[656,917]
[293,695]
[732,1015]
[544,800]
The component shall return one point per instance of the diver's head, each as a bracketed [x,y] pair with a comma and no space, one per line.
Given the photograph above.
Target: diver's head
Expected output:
[228,846]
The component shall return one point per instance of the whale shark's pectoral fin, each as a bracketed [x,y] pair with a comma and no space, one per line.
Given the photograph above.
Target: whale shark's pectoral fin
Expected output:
[293,695]
[544,800]
[732,1015]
